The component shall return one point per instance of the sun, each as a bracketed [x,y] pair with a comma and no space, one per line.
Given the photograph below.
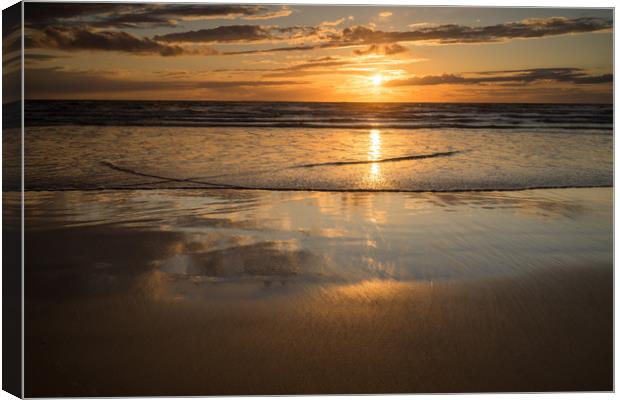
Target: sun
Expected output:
[377,79]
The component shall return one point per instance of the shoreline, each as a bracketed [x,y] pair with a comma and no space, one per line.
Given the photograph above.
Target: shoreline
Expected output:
[421,191]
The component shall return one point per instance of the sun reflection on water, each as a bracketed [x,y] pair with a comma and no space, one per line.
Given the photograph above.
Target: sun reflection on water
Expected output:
[375,171]
[374,154]
[374,150]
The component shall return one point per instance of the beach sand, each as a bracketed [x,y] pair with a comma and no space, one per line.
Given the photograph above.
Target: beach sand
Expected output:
[243,292]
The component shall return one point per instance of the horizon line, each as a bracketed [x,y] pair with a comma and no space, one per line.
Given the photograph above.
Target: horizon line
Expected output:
[316,101]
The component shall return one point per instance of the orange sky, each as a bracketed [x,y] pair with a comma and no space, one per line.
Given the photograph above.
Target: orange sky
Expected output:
[317,53]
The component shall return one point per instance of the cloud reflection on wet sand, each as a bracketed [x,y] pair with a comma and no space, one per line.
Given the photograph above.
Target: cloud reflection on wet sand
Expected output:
[226,292]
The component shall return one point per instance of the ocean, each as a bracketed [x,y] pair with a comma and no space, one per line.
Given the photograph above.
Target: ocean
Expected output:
[315,146]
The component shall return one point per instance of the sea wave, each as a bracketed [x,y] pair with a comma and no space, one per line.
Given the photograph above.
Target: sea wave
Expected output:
[564,117]
[93,145]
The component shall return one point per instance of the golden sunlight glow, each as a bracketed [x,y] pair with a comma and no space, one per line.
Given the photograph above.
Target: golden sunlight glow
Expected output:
[374,148]
[352,54]
[374,154]
[377,79]
[375,172]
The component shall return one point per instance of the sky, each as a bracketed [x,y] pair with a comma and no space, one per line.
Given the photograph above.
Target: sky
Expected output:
[317,53]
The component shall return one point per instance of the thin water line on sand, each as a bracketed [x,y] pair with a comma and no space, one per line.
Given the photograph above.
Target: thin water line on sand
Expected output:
[168,179]
[212,185]
[294,189]
[338,163]
[385,160]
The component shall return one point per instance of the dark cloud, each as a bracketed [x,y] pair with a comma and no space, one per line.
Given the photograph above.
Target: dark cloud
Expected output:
[272,50]
[296,69]
[541,94]
[449,34]
[84,32]
[76,38]
[295,32]
[12,44]
[169,15]
[389,49]
[239,33]
[452,34]
[313,66]
[47,12]
[135,15]
[32,59]
[40,57]
[325,66]
[307,72]
[309,64]
[12,41]
[320,62]
[564,75]
[221,34]
[83,38]
[44,82]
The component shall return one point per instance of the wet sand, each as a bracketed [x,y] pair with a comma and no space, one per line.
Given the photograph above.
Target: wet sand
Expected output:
[227,292]
[541,333]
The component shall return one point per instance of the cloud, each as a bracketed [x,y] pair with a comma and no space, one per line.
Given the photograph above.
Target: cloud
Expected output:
[12,63]
[327,61]
[241,34]
[333,23]
[306,67]
[330,65]
[272,50]
[420,25]
[124,15]
[385,14]
[12,40]
[36,57]
[313,63]
[221,34]
[82,38]
[451,33]
[87,36]
[45,13]
[388,49]
[283,12]
[170,15]
[232,84]
[57,81]
[562,75]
